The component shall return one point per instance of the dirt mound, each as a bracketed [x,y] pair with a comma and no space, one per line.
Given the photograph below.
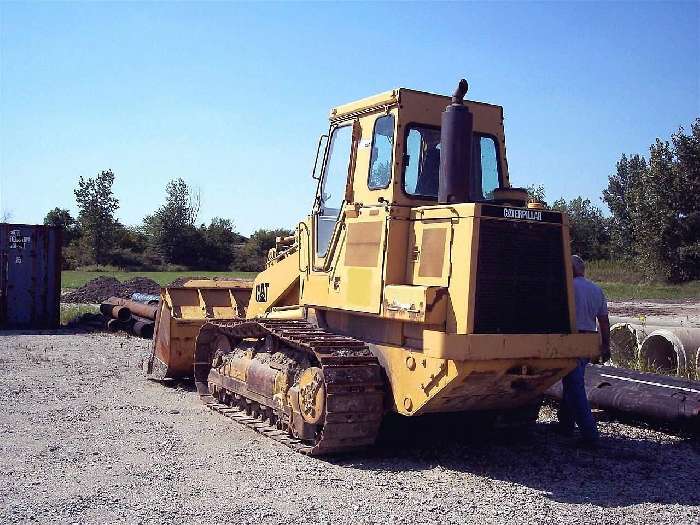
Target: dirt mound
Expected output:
[139,285]
[102,288]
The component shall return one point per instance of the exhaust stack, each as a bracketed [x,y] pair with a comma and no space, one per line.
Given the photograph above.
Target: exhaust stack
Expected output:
[456,150]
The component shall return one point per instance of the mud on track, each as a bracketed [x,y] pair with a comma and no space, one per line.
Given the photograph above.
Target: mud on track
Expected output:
[85,439]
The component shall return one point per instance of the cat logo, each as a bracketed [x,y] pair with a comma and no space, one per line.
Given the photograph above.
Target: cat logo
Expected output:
[261,292]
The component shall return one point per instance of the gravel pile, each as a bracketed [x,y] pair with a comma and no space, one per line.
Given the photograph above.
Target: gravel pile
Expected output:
[85,439]
[182,280]
[102,288]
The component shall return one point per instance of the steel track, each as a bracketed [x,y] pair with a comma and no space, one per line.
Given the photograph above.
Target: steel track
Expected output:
[353,379]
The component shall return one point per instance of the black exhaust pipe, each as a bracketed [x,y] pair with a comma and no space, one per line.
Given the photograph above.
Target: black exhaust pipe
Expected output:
[456,150]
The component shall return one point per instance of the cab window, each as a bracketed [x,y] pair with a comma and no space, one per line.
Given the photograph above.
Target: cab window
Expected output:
[486,164]
[422,164]
[382,153]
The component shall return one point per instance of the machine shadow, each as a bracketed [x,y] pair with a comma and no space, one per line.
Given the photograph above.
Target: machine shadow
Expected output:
[621,472]
[184,383]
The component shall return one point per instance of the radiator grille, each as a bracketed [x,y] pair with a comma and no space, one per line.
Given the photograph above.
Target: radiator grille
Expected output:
[520,280]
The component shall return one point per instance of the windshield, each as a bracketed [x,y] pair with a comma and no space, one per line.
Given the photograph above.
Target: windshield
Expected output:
[422,165]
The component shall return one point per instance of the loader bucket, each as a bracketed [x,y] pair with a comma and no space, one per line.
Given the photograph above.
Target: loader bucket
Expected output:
[182,310]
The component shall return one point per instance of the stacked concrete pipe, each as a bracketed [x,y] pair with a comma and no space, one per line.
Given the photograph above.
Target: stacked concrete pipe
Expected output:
[672,349]
[625,341]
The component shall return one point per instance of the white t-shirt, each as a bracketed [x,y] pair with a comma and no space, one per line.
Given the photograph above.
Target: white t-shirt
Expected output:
[590,303]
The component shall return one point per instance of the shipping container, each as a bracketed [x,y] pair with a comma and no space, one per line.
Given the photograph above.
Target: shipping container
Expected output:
[30,276]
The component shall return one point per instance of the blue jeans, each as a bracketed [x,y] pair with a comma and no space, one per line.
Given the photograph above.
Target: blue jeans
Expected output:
[574,406]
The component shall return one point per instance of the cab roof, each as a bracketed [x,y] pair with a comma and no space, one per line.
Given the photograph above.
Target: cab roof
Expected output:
[388,99]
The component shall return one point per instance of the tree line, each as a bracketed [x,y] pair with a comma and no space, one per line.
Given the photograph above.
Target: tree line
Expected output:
[167,239]
[654,203]
[654,225]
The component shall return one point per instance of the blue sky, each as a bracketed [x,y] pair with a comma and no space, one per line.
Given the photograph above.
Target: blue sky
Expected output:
[232,96]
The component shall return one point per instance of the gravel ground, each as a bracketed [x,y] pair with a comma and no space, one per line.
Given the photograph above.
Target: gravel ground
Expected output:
[684,313]
[85,439]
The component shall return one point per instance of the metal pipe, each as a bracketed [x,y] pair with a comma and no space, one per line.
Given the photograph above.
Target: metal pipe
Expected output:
[143,327]
[641,394]
[139,309]
[114,325]
[115,311]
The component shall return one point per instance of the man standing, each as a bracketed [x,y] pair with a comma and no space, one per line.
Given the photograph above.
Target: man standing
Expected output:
[591,305]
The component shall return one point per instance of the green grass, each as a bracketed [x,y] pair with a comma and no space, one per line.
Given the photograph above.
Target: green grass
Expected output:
[641,365]
[613,272]
[616,291]
[621,281]
[618,281]
[77,278]
[71,311]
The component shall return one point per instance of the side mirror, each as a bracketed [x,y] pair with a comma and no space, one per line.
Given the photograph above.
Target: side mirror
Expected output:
[321,147]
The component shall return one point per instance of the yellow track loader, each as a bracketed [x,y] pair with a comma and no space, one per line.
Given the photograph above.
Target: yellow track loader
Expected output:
[421,282]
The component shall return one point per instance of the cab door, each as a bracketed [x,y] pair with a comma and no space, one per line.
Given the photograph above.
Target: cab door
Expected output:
[327,214]
[331,193]
[348,252]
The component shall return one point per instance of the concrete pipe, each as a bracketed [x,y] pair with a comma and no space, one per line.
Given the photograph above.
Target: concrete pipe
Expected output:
[671,349]
[626,340]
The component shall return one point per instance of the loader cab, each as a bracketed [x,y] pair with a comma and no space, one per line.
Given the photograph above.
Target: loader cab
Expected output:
[385,150]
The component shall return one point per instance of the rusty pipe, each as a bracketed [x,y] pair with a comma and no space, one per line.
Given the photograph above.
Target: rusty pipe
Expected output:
[141,310]
[115,311]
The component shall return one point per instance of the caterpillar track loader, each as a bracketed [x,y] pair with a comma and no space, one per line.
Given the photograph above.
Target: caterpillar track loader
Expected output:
[421,282]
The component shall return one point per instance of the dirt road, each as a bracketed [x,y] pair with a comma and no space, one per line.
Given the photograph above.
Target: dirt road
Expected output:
[85,439]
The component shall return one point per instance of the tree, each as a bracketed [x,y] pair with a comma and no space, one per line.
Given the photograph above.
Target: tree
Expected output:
[171,229]
[219,238]
[588,228]
[687,155]
[96,220]
[62,218]
[622,197]
[252,255]
[656,207]
[537,193]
